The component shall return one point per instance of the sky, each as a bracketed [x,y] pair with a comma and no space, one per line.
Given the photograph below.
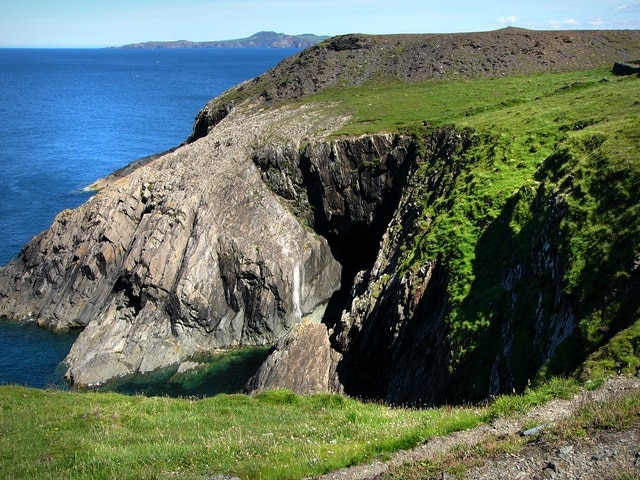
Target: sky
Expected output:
[102,23]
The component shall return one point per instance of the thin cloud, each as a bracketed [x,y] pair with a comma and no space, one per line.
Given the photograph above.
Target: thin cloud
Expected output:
[508,20]
[596,22]
[569,22]
[633,6]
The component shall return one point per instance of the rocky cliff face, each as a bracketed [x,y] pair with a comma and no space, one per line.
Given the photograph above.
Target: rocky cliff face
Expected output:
[189,253]
[262,229]
[404,337]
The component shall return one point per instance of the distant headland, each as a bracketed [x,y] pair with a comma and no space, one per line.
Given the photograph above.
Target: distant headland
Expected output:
[257,40]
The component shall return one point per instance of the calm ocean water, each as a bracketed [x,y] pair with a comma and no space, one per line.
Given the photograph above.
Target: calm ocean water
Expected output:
[72,116]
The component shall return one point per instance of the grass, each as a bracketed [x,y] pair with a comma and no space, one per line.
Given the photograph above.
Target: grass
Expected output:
[616,415]
[274,435]
[377,107]
[53,434]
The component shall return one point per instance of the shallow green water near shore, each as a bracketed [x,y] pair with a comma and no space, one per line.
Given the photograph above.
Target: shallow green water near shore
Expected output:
[226,372]
[31,356]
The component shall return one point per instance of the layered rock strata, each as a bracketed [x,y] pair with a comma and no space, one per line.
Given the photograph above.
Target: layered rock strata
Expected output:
[189,253]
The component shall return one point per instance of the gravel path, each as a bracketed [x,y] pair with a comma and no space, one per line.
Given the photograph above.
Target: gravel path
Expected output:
[595,457]
[600,456]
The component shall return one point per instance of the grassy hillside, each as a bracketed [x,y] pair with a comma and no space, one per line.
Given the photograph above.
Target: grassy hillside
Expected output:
[276,435]
[545,148]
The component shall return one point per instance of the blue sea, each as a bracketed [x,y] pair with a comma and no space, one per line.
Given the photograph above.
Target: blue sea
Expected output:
[69,117]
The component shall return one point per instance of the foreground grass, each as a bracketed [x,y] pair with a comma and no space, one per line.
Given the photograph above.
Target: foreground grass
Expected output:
[56,434]
[53,434]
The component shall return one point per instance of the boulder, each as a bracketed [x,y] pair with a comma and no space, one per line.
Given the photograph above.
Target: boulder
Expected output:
[623,69]
[302,361]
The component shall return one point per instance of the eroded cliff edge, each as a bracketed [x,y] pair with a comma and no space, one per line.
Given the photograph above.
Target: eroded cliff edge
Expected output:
[426,323]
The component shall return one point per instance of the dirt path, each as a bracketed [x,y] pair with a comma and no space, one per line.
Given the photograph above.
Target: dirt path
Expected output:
[588,458]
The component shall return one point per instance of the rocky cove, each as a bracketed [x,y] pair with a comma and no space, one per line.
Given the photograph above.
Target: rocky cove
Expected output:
[267,228]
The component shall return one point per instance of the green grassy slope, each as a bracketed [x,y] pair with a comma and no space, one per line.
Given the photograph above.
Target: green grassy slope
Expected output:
[561,145]
[275,435]
[48,434]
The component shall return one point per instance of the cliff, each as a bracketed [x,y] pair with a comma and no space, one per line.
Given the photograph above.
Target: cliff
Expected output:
[431,262]
[187,254]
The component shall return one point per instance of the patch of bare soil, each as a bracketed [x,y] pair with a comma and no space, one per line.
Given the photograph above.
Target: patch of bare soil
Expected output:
[604,455]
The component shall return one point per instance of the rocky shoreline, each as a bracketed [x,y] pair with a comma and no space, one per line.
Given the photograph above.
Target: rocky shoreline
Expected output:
[264,219]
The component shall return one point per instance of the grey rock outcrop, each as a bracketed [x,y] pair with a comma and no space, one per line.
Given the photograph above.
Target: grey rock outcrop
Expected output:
[302,361]
[390,340]
[189,253]
[347,190]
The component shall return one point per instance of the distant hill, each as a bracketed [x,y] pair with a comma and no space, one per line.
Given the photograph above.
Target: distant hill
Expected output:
[257,40]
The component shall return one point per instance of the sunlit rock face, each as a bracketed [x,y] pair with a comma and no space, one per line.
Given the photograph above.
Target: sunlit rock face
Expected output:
[189,253]
[267,227]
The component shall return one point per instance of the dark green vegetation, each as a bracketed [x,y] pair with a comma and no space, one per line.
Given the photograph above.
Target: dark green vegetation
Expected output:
[275,435]
[227,372]
[547,175]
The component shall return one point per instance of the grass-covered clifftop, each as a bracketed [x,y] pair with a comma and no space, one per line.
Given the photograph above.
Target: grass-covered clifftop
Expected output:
[534,219]
[356,60]
[567,138]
